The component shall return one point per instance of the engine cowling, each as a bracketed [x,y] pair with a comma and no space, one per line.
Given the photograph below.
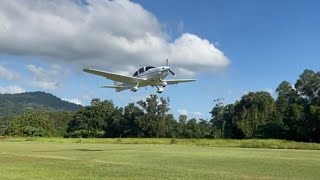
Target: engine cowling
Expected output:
[134,89]
[163,84]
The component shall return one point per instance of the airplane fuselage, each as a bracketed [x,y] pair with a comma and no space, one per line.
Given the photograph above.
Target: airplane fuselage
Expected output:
[155,74]
[152,75]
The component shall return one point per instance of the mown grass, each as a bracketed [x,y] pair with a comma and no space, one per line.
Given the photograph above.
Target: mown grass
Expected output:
[245,143]
[71,160]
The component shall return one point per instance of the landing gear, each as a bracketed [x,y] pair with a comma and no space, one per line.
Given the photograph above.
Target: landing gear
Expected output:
[160,89]
[135,88]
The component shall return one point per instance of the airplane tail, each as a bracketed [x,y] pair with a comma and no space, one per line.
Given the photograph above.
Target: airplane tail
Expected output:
[117,83]
[117,86]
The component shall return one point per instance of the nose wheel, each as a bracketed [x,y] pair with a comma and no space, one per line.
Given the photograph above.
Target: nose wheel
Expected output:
[159,89]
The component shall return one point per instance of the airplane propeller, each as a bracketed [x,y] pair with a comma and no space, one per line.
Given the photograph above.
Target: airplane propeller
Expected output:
[172,72]
[167,64]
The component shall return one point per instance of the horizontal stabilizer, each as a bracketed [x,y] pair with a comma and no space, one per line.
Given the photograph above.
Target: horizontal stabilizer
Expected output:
[111,86]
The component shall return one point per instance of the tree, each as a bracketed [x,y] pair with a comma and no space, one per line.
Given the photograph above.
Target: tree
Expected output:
[314,123]
[192,130]
[290,108]
[131,115]
[115,123]
[92,121]
[182,126]
[298,107]
[60,120]
[254,110]
[286,96]
[309,85]
[155,122]
[4,124]
[31,124]
[205,128]
[217,119]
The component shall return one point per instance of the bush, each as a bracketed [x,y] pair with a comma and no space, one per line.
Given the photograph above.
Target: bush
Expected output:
[34,132]
[173,141]
[82,133]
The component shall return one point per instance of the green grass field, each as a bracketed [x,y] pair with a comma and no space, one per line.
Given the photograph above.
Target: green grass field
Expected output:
[67,160]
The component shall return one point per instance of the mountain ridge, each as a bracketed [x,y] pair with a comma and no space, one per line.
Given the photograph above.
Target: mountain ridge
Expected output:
[15,104]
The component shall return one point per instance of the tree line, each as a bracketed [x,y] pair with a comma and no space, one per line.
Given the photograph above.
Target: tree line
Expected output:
[294,115]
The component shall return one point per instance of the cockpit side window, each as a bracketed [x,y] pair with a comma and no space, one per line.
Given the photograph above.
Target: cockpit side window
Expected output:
[141,70]
[149,67]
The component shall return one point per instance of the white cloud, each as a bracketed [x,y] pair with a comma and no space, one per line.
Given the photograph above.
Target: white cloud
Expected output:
[184,72]
[8,74]
[191,114]
[197,114]
[74,100]
[11,90]
[117,35]
[86,97]
[183,112]
[45,79]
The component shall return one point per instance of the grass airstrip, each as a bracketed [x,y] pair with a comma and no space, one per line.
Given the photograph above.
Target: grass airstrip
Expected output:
[57,158]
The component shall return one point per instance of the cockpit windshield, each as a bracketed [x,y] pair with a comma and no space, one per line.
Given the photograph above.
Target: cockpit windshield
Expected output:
[149,67]
[142,70]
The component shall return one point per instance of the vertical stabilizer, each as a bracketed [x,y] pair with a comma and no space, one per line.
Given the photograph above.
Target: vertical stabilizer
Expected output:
[117,83]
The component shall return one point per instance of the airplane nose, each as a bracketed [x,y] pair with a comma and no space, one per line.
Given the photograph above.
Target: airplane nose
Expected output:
[164,69]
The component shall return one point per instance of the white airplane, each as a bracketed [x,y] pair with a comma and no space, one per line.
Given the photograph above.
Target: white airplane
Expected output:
[145,76]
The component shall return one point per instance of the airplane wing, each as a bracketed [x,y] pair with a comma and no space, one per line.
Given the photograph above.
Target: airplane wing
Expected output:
[176,81]
[115,77]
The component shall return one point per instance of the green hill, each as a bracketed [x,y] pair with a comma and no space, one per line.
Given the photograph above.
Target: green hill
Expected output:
[13,104]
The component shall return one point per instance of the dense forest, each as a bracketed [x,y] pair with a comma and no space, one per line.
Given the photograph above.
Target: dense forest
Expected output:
[293,115]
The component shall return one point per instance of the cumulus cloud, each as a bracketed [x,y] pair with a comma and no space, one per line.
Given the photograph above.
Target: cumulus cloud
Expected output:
[74,100]
[117,35]
[183,112]
[11,90]
[197,114]
[45,79]
[192,114]
[8,74]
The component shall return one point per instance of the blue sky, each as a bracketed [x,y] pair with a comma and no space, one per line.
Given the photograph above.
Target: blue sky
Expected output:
[253,45]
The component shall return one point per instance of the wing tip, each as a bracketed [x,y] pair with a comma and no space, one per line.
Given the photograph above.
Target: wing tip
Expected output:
[86,69]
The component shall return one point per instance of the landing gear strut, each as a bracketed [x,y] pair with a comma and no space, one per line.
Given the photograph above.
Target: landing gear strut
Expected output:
[159,89]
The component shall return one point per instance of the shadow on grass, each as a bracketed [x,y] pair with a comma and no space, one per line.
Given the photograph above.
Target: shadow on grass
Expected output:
[93,150]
